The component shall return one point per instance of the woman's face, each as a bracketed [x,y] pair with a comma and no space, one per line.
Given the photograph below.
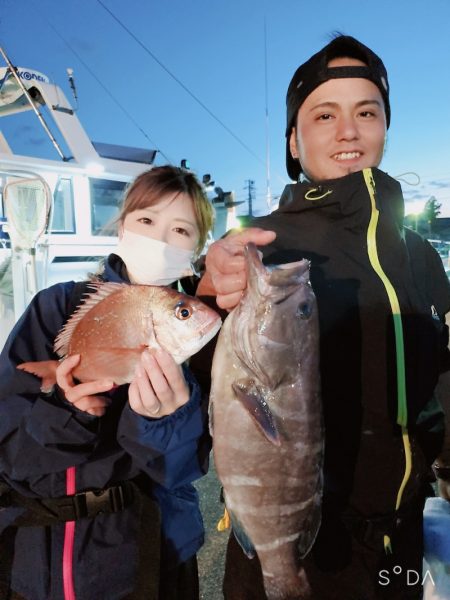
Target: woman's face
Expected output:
[341,127]
[171,220]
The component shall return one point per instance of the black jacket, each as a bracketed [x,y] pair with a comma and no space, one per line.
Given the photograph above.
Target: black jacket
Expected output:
[43,437]
[363,272]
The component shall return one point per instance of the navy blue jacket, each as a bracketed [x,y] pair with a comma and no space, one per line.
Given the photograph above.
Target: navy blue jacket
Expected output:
[41,436]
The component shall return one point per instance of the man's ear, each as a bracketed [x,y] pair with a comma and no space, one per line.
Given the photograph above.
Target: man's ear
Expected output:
[293,143]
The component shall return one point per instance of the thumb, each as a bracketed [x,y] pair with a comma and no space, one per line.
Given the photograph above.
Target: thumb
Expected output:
[260,237]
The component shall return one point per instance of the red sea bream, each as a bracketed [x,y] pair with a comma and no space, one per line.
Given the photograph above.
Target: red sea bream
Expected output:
[116,323]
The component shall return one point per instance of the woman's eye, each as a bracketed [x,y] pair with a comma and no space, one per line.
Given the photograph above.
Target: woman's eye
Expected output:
[145,221]
[182,231]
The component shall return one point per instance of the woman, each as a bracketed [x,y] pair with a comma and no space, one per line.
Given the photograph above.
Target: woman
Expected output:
[104,472]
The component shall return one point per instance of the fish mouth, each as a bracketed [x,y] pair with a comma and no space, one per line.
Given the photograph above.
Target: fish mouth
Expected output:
[209,331]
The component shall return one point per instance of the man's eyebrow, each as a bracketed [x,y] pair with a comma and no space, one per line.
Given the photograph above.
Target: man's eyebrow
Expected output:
[329,104]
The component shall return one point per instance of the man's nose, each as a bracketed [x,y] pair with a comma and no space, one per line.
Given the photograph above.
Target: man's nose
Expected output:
[347,128]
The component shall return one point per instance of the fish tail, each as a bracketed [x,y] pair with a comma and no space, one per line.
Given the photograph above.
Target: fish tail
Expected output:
[44,369]
[294,586]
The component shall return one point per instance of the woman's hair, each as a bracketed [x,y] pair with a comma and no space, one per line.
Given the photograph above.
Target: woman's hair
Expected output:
[149,187]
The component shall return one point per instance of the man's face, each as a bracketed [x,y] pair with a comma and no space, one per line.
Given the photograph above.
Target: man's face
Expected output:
[341,127]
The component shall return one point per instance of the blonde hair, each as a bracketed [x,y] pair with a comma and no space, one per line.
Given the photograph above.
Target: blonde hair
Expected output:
[149,187]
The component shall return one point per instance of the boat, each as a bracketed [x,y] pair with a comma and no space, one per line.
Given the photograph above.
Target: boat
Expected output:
[77,195]
[61,210]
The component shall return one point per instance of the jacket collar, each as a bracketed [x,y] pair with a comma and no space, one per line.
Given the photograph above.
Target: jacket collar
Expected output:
[345,196]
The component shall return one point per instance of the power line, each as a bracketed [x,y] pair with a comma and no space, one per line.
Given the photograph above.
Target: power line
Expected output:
[180,83]
[125,111]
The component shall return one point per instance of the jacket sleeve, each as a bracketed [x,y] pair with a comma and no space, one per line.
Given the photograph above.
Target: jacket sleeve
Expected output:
[172,450]
[39,433]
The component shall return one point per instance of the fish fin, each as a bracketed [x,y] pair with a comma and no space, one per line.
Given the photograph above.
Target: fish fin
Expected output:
[102,291]
[45,370]
[241,536]
[152,340]
[251,397]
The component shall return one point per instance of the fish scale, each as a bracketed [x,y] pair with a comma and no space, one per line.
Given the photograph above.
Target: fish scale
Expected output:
[266,421]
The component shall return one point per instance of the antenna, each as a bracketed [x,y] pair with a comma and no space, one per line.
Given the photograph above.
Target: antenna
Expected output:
[72,85]
[268,192]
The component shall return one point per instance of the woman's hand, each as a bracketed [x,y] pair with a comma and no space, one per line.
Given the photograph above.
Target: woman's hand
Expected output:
[83,396]
[225,275]
[159,386]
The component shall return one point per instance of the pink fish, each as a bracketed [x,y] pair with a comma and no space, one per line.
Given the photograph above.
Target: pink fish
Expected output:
[115,324]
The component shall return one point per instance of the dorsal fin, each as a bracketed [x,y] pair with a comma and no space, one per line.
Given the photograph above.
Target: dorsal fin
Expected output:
[102,291]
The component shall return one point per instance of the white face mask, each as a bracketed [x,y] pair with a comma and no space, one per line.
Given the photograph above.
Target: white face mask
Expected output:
[152,262]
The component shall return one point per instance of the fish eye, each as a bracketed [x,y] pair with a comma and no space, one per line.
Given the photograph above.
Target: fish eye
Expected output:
[304,310]
[182,312]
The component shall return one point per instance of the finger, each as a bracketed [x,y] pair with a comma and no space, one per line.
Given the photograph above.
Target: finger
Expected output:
[94,405]
[229,301]
[229,284]
[155,373]
[260,237]
[90,388]
[63,371]
[143,399]
[226,255]
[172,372]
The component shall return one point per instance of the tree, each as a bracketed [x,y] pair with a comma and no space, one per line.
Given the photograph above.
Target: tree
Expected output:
[430,212]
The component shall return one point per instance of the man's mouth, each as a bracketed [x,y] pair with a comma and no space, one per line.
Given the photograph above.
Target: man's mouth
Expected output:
[346,155]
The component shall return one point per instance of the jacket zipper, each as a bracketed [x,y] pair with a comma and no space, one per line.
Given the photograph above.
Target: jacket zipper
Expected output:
[402,409]
[69,538]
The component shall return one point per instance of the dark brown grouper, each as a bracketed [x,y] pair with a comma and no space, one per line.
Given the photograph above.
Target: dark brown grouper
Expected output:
[266,421]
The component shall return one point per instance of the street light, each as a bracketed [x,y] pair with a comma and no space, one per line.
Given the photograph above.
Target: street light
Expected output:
[415,209]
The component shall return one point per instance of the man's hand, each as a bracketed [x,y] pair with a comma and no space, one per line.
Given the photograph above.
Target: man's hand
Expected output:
[443,489]
[83,395]
[159,386]
[225,275]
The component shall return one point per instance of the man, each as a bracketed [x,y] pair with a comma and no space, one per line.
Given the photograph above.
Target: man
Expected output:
[382,295]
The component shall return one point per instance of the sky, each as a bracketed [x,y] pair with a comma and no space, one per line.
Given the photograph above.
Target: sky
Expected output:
[205,80]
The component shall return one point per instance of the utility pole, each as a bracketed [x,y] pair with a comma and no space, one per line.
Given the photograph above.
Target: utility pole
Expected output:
[251,195]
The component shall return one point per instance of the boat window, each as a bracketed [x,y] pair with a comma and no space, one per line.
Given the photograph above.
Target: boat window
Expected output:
[106,198]
[63,220]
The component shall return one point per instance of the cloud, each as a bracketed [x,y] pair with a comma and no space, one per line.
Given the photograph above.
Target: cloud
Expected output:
[440,184]
[416,196]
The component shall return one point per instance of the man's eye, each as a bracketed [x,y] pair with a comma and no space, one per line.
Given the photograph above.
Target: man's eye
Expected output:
[325,117]
[367,113]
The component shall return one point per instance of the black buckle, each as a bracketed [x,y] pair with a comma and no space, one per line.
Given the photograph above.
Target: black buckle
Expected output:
[96,502]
